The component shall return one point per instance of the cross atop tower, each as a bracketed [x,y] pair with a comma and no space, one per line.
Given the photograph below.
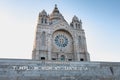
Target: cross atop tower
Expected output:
[55,5]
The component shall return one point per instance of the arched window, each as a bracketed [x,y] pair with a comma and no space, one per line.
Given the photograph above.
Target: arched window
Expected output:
[45,20]
[71,25]
[76,26]
[79,40]
[79,26]
[43,38]
[42,20]
[62,58]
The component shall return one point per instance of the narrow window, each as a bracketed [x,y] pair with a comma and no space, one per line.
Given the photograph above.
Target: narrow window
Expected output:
[79,26]
[71,25]
[79,40]
[45,20]
[62,58]
[76,25]
[43,39]
[42,20]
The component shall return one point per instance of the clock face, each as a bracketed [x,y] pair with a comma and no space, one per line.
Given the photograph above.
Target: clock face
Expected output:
[61,40]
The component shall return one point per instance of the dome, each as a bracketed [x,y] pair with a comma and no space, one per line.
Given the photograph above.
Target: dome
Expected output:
[56,14]
[55,9]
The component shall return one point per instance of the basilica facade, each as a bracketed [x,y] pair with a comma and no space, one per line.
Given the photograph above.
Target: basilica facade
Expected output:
[59,53]
[58,40]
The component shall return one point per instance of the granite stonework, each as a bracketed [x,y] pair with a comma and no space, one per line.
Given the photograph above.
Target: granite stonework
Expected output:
[56,39]
[59,53]
[16,69]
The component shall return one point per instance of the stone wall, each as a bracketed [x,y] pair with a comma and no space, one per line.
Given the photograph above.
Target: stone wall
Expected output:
[22,69]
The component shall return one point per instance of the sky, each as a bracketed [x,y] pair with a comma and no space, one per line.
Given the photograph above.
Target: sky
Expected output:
[101,22]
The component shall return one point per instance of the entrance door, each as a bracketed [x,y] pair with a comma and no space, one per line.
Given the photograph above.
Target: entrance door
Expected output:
[62,58]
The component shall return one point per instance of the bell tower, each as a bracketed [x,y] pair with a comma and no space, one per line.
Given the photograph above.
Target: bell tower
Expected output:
[56,40]
[43,18]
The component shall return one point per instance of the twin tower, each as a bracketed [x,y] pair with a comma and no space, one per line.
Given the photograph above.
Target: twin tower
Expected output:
[56,40]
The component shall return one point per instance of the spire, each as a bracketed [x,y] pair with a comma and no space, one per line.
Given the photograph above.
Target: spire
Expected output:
[43,13]
[55,9]
[75,18]
[76,23]
[55,5]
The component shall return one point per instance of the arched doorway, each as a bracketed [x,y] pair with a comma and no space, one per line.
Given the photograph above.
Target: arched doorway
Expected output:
[62,58]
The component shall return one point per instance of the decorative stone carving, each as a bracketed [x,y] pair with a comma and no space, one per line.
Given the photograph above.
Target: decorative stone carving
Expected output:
[63,39]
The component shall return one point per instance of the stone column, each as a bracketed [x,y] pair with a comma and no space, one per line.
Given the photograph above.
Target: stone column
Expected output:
[37,55]
[75,48]
[87,56]
[49,46]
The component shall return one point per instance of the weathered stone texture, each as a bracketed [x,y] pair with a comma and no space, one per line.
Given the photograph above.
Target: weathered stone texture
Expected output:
[56,39]
[13,69]
[59,53]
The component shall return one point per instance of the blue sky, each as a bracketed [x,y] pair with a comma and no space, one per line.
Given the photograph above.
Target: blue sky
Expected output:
[101,22]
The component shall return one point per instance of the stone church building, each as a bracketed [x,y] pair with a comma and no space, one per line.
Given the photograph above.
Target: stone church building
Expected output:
[59,53]
[57,40]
